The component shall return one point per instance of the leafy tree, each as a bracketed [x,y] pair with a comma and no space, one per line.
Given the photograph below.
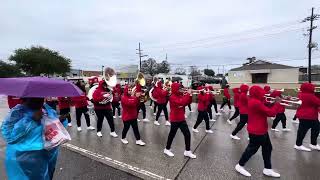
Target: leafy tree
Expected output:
[38,60]
[9,70]
[149,66]
[209,72]
[163,67]
[180,71]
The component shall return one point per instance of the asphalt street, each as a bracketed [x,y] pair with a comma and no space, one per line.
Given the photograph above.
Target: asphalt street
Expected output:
[87,156]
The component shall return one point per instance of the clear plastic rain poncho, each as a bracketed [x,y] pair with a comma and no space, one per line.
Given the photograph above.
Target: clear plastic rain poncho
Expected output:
[26,158]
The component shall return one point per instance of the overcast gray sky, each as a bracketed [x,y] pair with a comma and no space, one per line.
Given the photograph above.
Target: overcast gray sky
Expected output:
[204,32]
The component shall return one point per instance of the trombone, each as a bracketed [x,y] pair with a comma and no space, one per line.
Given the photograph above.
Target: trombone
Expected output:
[285,102]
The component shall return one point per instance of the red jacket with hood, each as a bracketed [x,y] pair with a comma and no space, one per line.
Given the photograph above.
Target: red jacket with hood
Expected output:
[226,93]
[178,101]
[310,103]
[258,112]
[275,94]
[266,89]
[97,97]
[160,94]
[243,99]
[116,92]
[64,102]
[129,106]
[80,101]
[203,101]
[236,95]
[13,101]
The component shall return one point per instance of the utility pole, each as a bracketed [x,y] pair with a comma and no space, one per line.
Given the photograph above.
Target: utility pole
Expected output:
[102,69]
[311,45]
[140,55]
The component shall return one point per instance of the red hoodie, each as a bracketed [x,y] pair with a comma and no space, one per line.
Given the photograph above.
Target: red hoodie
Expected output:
[266,89]
[275,94]
[80,101]
[98,97]
[116,93]
[226,93]
[178,101]
[310,103]
[64,102]
[129,106]
[243,99]
[210,88]
[236,96]
[258,112]
[13,101]
[160,94]
[203,101]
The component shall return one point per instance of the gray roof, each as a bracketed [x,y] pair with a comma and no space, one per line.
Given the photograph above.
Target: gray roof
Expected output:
[259,64]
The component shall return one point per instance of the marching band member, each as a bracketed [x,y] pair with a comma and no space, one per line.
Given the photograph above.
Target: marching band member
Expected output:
[226,98]
[129,115]
[102,107]
[161,96]
[116,100]
[236,94]
[142,100]
[178,101]
[211,102]
[267,90]
[243,110]
[308,117]
[81,106]
[258,132]
[281,116]
[64,104]
[13,101]
[203,103]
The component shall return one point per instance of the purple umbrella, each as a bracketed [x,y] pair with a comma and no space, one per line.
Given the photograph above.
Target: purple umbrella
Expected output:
[38,87]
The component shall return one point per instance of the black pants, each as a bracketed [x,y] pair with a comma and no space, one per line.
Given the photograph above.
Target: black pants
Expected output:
[52,104]
[236,114]
[101,113]
[189,106]
[66,111]
[295,117]
[304,126]
[142,106]
[162,107]
[151,102]
[79,112]
[243,121]
[116,105]
[255,142]
[202,115]
[155,107]
[280,117]
[185,131]
[209,111]
[224,103]
[214,103]
[134,124]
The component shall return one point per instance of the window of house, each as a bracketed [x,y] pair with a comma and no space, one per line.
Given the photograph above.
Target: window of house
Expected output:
[260,78]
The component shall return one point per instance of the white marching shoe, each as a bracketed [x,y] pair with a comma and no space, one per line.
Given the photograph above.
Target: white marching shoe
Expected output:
[229,122]
[195,130]
[270,173]
[168,152]
[99,134]
[69,124]
[315,147]
[286,129]
[90,128]
[295,121]
[146,120]
[156,123]
[275,130]
[185,116]
[168,123]
[114,116]
[218,114]
[212,120]
[241,170]
[140,143]
[302,148]
[189,154]
[138,120]
[120,116]
[154,114]
[234,137]
[124,141]
[209,131]
[79,129]
[113,134]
